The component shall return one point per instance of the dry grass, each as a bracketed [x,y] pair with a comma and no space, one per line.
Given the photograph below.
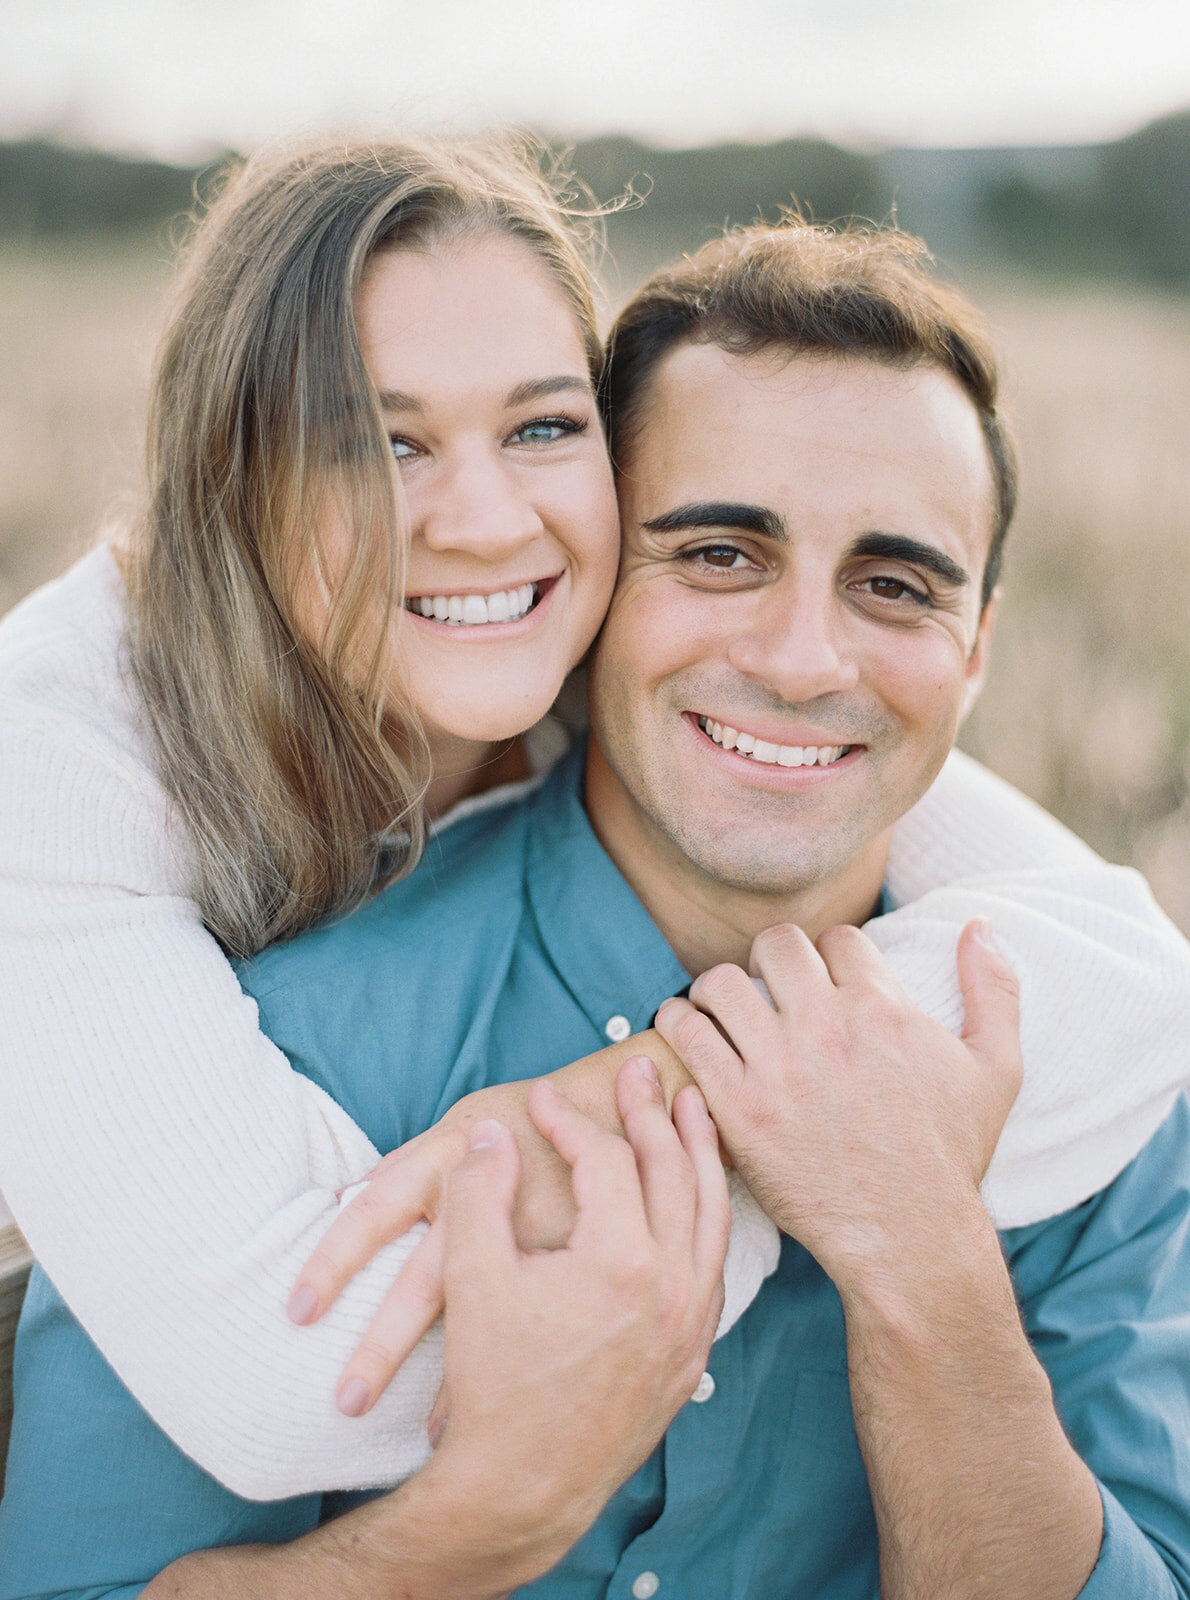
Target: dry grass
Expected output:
[1088,708]
[76,339]
[1088,705]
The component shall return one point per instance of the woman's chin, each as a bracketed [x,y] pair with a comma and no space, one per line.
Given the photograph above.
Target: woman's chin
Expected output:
[485,726]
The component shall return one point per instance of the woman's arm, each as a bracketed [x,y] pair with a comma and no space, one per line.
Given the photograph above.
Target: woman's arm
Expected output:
[168,1167]
[1104,975]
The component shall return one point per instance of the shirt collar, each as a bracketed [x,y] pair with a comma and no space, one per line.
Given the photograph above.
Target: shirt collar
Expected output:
[604,944]
[576,892]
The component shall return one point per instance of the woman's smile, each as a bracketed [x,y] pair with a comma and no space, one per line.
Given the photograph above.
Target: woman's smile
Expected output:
[468,611]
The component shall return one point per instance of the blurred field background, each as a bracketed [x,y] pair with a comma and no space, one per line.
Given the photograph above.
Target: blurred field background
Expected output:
[1079,255]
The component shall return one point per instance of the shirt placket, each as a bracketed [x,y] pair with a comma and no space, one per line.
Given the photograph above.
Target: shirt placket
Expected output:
[692,1549]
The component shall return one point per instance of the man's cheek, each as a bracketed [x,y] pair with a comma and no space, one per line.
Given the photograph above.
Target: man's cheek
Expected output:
[925,678]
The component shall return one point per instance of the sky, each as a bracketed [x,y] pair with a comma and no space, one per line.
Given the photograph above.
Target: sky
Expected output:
[182,78]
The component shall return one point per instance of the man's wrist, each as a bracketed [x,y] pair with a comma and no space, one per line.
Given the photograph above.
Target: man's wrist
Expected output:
[975,1486]
[920,1270]
[929,1317]
[499,1535]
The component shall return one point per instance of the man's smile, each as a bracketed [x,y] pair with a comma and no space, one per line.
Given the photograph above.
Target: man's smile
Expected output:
[769,753]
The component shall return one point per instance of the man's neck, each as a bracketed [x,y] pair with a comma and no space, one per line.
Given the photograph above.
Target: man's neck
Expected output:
[704,920]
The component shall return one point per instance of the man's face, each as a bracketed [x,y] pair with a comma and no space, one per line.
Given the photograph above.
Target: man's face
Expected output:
[804,539]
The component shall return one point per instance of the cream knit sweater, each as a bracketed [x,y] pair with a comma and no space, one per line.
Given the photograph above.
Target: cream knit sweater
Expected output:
[172,1172]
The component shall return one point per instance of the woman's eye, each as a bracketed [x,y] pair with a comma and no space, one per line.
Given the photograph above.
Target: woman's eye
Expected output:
[401,448]
[546,430]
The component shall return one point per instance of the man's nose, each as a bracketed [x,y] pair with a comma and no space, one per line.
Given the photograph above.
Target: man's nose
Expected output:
[479,505]
[797,644]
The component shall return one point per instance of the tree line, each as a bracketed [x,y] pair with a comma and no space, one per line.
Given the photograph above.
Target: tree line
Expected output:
[1110,211]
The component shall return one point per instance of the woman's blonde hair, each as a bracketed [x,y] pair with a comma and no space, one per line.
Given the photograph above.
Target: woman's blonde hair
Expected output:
[298,773]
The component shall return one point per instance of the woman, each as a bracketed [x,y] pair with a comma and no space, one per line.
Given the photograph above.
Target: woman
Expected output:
[282,740]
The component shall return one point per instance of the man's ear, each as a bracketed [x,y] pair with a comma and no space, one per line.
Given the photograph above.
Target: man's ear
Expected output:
[977,661]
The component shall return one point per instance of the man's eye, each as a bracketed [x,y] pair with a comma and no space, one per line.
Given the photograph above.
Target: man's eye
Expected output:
[723,557]
[546,430]
[895,589]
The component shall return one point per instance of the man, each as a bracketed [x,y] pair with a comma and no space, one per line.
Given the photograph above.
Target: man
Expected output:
[814,490]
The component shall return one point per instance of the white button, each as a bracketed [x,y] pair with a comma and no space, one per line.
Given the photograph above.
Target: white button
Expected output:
[617,1030]
[646,1586]
[705,1389]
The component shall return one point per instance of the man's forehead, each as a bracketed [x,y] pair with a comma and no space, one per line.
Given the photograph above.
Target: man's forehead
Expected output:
[693,362]
[705,377]
[773,425]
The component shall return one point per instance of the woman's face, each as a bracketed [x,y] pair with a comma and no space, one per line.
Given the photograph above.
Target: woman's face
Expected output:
[496,440]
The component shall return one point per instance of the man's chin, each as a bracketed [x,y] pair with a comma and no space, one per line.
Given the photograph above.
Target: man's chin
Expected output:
[765,864]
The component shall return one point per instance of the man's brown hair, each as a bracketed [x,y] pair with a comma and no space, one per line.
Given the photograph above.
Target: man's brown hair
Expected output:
[843,290]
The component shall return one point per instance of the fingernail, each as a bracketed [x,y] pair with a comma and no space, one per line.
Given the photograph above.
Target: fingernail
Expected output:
[351,1192]
[352,1398]
[646,1069]
[303,1303]
[983,932]
[486,1134]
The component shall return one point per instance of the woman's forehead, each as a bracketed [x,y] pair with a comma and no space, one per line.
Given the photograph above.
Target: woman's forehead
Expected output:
[477,312]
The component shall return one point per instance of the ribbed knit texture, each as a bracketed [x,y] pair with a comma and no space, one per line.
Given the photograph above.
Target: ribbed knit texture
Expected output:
[172,1172]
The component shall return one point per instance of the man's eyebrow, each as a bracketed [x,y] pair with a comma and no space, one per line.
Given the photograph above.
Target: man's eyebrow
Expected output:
[898,547]
[523,394]
[720,514]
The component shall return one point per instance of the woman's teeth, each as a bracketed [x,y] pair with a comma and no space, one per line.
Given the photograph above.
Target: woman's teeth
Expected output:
[472,610]
[772,755]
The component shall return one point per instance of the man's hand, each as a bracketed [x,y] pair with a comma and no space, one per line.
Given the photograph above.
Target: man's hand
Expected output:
[611,1333]
[851,1115]
[408,1186]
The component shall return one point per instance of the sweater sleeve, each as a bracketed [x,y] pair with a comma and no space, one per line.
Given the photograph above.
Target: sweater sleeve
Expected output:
[168,1167]
[1104,976]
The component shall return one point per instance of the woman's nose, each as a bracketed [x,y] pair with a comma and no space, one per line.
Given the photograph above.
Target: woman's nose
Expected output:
[479,506]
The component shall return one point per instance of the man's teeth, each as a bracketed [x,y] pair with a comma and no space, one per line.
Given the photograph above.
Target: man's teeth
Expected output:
[772,755]
[471,610]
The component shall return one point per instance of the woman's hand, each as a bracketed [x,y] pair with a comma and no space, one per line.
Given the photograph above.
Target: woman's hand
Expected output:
[408,1185]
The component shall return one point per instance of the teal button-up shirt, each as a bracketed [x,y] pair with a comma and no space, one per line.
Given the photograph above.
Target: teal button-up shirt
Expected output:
[506,954]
